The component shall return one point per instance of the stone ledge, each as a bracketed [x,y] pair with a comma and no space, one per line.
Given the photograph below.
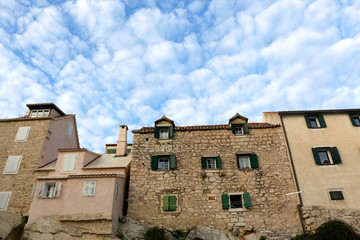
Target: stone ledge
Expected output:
[84,217]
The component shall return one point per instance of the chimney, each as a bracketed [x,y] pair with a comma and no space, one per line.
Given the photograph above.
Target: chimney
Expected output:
[122,141]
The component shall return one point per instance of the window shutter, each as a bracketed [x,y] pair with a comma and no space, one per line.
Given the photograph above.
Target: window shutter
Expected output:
[156,132]
[172,203]
[172,161]
[254,161]
[154,162]
[3,200]
[225,201]
[316,156]
[352,119]
[335,155]
[218,162]
[322,121]
[203,163]
[233,128]
[246,128]
[308,121]
[22,133]
[40,187]
[237,161]
[247,201]
[165,203]
[171,131]
[57,189]
[12,164]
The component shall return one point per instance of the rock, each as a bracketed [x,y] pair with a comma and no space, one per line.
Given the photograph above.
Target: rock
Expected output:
[252,236]
[131,230]
[39,236]
[207,233]
[7,222]
[44,225]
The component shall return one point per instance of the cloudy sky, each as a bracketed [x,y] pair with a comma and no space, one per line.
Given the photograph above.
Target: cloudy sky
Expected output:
[115,62]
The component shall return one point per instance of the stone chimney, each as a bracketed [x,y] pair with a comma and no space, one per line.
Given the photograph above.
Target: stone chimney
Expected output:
[122,141]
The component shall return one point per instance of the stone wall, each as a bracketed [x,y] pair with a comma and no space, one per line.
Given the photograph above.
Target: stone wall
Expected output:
[314,216]
[21,184]
[199,191]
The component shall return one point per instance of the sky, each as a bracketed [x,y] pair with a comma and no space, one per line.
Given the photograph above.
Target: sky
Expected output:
[114,62]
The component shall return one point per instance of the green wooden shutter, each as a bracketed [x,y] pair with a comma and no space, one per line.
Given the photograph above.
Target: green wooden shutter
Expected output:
[156,132]
[316,156]
[335,155]
[247,201]
[352,119]
[322,121]
[254,161]
[237,161]
[154,162]
[246,128]
[233,128]
[308,121]
[172,161]
[165,203]
[171,131]
[218,162]
[172,203]
[225,201]
[203,163]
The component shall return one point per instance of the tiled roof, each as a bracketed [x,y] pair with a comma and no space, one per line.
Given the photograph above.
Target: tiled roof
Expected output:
[237,115]
[72,149]
[33,118]
[104,175]
[109,161]
[164,118]
[295,112]
[45,105]
[208,127]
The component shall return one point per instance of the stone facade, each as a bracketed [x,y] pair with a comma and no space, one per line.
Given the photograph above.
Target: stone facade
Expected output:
[199,191]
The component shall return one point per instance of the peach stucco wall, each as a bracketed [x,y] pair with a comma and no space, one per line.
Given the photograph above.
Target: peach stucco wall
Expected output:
[57,137]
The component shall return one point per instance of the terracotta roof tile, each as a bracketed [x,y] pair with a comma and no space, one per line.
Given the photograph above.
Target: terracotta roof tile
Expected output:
[34,118]
[208,127]
[93,175]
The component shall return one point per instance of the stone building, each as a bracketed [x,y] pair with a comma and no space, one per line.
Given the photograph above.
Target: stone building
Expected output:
[233,177]
[325,154]
[82,190]
[27,143]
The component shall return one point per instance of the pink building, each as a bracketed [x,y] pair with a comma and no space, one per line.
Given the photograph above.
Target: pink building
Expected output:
[85,187]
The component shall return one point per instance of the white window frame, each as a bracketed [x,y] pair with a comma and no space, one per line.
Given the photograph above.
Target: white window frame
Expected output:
[69,163]
[211,163]
[22,134]
[2,195]
[163,158]
[163,133]
[242,208]
[12,164]
[248,163]
[48,190]
[40,113]
[239,130]
[89,188]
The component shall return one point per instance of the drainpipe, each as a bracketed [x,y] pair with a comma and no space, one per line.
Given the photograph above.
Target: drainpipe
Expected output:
[302,221]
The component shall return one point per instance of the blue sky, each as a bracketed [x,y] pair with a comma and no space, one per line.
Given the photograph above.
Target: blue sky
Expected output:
[115,62]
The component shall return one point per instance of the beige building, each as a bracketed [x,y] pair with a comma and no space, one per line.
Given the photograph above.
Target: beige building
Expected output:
[324,147]
[27,143]
[84,189]
[233,177]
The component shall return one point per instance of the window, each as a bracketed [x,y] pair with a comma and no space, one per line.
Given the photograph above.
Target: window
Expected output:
[69,163]
[164,132]
[4,199]
[163,162]
[12,165]
[22,134]
[40,113]
[211,162]
[236,200]
[326,155]
[355,119]
[111,150]
[336,195]
[48,190]
[89,188]
[239,129]
[69,130]
[315,121]
[116,190]
[169,203]
[247,161]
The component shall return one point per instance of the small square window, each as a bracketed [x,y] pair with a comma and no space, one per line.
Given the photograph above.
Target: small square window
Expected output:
[238,130]
[163,162]
[244,162]
[336,195]
[247,161]
[164,133]
[324,157]
[48,190]
[89,188]
[236,201]
[315,121]
[211,163]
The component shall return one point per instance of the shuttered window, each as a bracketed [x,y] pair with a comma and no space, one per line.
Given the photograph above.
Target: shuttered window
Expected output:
[326,155]
[355,119]
[169,203]
[69,163]
[164,132]
[236,200]
[12,164]
[4,198]
[315,121]
[211,162]
[48,190]
[22,134]
[246,161]
[163,162]
[239,128]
